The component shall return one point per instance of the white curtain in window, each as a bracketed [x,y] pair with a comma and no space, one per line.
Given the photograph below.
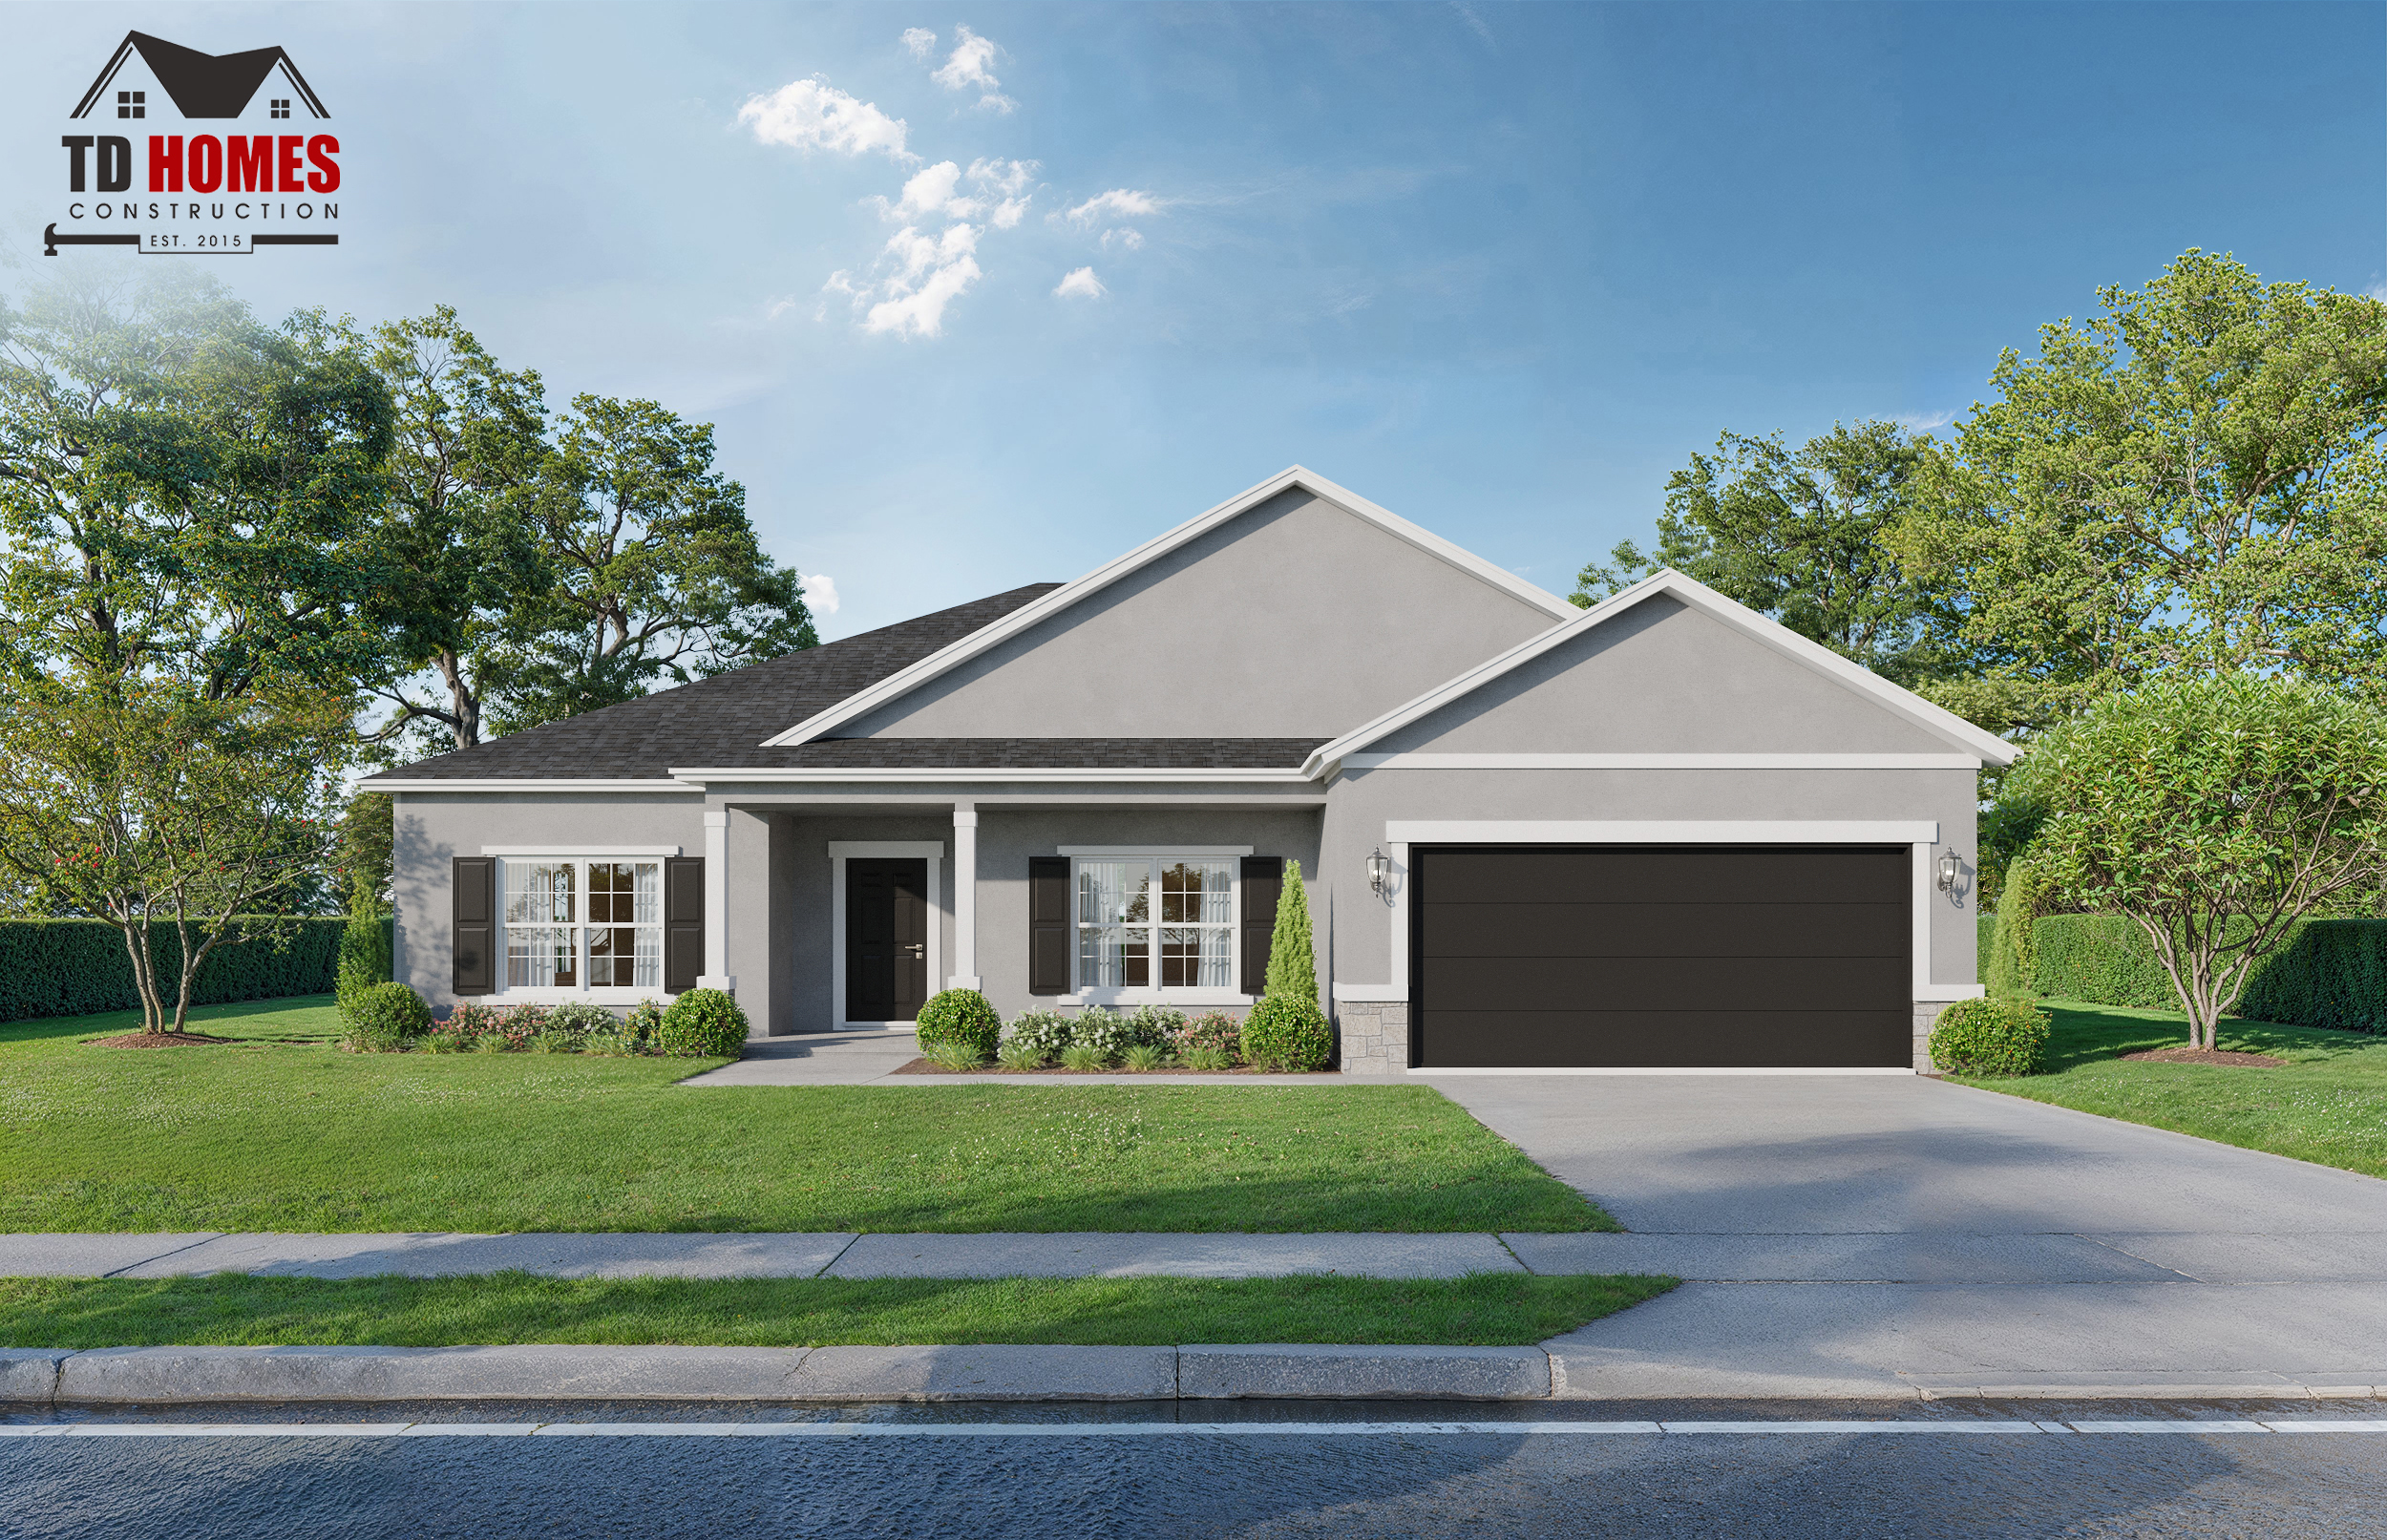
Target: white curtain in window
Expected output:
[1115,924]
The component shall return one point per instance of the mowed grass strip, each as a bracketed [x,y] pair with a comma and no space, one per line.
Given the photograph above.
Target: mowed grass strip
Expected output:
[285,1131]
[2328,1105]
[1486,1309]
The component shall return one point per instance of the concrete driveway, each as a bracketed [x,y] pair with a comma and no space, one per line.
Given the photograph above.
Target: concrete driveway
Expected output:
[1863,1236]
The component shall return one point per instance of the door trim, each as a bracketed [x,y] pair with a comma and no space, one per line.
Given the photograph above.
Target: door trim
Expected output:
[840,850]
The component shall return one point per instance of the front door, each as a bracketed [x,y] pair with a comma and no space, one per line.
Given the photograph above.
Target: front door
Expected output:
[886,938]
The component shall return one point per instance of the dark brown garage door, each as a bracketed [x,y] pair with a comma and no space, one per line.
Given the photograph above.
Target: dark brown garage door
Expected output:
[1644,957]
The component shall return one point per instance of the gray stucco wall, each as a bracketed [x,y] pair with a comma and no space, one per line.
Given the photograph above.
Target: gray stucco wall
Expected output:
[1362,802]
[1296,619]
[1663,678]
[429,829]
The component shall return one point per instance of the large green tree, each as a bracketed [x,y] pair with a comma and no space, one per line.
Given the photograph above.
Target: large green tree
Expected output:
[184,493]
[1796,535]
[2189,480]
[468,446]
[655,571]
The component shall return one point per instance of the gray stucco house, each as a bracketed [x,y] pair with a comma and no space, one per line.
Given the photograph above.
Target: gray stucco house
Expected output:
[1662,833]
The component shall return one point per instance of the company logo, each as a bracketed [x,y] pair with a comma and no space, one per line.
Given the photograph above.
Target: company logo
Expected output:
[209,194]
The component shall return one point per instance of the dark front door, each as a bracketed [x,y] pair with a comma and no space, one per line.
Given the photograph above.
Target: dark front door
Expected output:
[886,938]
[1641,957]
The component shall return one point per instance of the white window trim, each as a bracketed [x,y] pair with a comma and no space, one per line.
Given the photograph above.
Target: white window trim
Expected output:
[579,857]
[584,851]
[1154,994]
[1922,835]
[841,851]
[1151,852]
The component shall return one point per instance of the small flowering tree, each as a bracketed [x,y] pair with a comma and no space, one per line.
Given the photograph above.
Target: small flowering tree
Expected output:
[144,807]
[2215,812]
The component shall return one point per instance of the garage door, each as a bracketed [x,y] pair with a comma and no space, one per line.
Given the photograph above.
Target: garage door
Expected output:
[1678,956]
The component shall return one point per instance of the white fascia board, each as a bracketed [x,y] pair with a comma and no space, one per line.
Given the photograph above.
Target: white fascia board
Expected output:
[908,679]
[1667,761]
[1661,831]
[815,775]
[583,851]
[1155,850]
[1982,747]
[400,783]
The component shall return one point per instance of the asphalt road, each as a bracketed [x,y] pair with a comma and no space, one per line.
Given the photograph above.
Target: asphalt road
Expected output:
[1382,1470]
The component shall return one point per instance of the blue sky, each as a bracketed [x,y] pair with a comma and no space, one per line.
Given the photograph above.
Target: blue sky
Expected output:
[1498,267]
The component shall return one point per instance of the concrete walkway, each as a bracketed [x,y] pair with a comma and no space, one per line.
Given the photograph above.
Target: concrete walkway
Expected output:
[1866,1237]
[748,1255]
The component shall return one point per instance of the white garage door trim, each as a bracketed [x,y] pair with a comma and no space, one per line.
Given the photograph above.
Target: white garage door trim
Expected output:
[1399,833]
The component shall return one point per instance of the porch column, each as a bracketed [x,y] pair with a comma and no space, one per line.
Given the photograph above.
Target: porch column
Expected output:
[965,897]
[716,975]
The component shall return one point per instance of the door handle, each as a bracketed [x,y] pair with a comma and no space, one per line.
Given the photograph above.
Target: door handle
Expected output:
[917,948]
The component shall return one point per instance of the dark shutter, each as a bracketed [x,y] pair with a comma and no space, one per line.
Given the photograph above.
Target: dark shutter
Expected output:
[1263,881]
[1048,924]
[683,923]
[472,890]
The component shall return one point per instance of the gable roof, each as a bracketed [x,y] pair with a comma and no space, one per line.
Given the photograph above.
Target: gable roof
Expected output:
[1987,747]
[904,681]
[717,721]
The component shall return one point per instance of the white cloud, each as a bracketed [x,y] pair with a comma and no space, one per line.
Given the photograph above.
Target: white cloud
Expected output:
[1128,237]
[994,101]
[813,114]
[916,277]
[820,593]
[1120,202]
[1924,423]
[1080,285]
[967,65]
[930,191]
[1004,176]
[918,40]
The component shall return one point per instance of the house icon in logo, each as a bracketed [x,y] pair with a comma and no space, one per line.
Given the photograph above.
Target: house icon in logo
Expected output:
[202,85]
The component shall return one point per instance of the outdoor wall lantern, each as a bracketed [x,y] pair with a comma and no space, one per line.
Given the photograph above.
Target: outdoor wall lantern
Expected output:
[1379,870]
[1950,869]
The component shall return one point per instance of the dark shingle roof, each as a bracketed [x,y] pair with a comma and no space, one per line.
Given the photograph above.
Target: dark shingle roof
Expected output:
[720,724]
[718,721]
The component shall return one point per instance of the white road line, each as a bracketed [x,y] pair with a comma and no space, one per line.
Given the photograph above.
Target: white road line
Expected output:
[2193,1426]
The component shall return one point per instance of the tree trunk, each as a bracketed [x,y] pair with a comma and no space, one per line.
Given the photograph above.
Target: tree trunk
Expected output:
[461,696]
[136,928]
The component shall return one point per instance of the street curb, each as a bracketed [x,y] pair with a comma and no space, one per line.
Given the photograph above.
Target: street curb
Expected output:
[1289,1371]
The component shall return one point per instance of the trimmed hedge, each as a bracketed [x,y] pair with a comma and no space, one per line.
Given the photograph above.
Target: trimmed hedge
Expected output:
[74,968]
[2326,973]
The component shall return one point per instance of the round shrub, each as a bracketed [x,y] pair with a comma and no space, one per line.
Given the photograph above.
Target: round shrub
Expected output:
[959,1016]
[1287,1032]
[702,1023]
[1989,1037]
[385,1018]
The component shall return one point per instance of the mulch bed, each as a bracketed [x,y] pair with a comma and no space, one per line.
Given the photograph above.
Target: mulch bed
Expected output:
[2206,1056]
[930,1066]
[159,1039]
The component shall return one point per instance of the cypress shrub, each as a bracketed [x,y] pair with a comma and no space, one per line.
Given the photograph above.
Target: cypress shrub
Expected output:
[74,968]
[1291,956]
[364,959]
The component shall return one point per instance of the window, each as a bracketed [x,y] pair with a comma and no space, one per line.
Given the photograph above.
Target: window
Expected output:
[129,103]
[1148,922]
[584,924]
[281,105]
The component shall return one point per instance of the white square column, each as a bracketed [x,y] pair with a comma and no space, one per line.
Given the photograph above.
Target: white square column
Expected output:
[965,897]
[716,974]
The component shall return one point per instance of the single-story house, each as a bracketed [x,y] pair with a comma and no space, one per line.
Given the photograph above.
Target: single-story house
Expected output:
[1661,834]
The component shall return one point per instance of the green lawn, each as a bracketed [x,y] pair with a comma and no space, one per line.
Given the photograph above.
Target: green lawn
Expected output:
[285,1132]
[2329,1104]
[1488,1309]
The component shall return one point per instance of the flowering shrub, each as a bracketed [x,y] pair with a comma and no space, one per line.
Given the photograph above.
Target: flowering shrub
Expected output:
[511,1031]
[1047,1032]
[1153,1026]
[1214,1031]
